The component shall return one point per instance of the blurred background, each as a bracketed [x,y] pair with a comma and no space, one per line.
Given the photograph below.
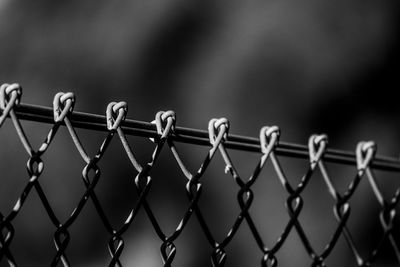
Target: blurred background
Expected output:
[307,66]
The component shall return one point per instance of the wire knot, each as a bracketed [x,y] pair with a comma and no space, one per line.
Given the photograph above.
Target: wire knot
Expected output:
[269,260]
[269,138]
[316,146]
[35,166]
[165,123]
[365,152]
[218,257]
[218,130]
[168,251]
[115,246]
[342,210]
[63,104]
[116,113]
[6,232]
[10,95]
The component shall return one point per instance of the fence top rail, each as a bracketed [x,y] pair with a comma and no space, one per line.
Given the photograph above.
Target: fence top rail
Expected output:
[195,136]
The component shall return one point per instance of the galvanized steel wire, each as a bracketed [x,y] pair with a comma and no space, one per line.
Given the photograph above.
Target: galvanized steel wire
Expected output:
[165,134]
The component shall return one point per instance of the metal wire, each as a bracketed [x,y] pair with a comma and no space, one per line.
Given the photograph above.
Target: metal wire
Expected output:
[165,134]
[198,137]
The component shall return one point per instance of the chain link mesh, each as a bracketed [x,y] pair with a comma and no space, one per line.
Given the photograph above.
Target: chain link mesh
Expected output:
[63,106]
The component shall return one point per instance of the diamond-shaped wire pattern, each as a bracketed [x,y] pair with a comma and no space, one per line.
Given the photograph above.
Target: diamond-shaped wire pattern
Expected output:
[165,138]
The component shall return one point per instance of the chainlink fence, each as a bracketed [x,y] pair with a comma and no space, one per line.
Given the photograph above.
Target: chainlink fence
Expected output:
[165,135]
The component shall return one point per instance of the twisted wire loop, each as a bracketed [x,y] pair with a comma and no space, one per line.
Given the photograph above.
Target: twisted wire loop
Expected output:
[116,113]
[317,147]
[165,124]
[194,189]
[341,207]
[294,201]
[245,194]
[9,97]
[269,139]
[365,152]
[63,105]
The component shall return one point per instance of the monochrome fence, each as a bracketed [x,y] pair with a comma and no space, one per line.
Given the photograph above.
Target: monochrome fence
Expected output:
[165,134]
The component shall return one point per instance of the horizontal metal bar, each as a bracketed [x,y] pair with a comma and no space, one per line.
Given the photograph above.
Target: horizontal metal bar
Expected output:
[199,137]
